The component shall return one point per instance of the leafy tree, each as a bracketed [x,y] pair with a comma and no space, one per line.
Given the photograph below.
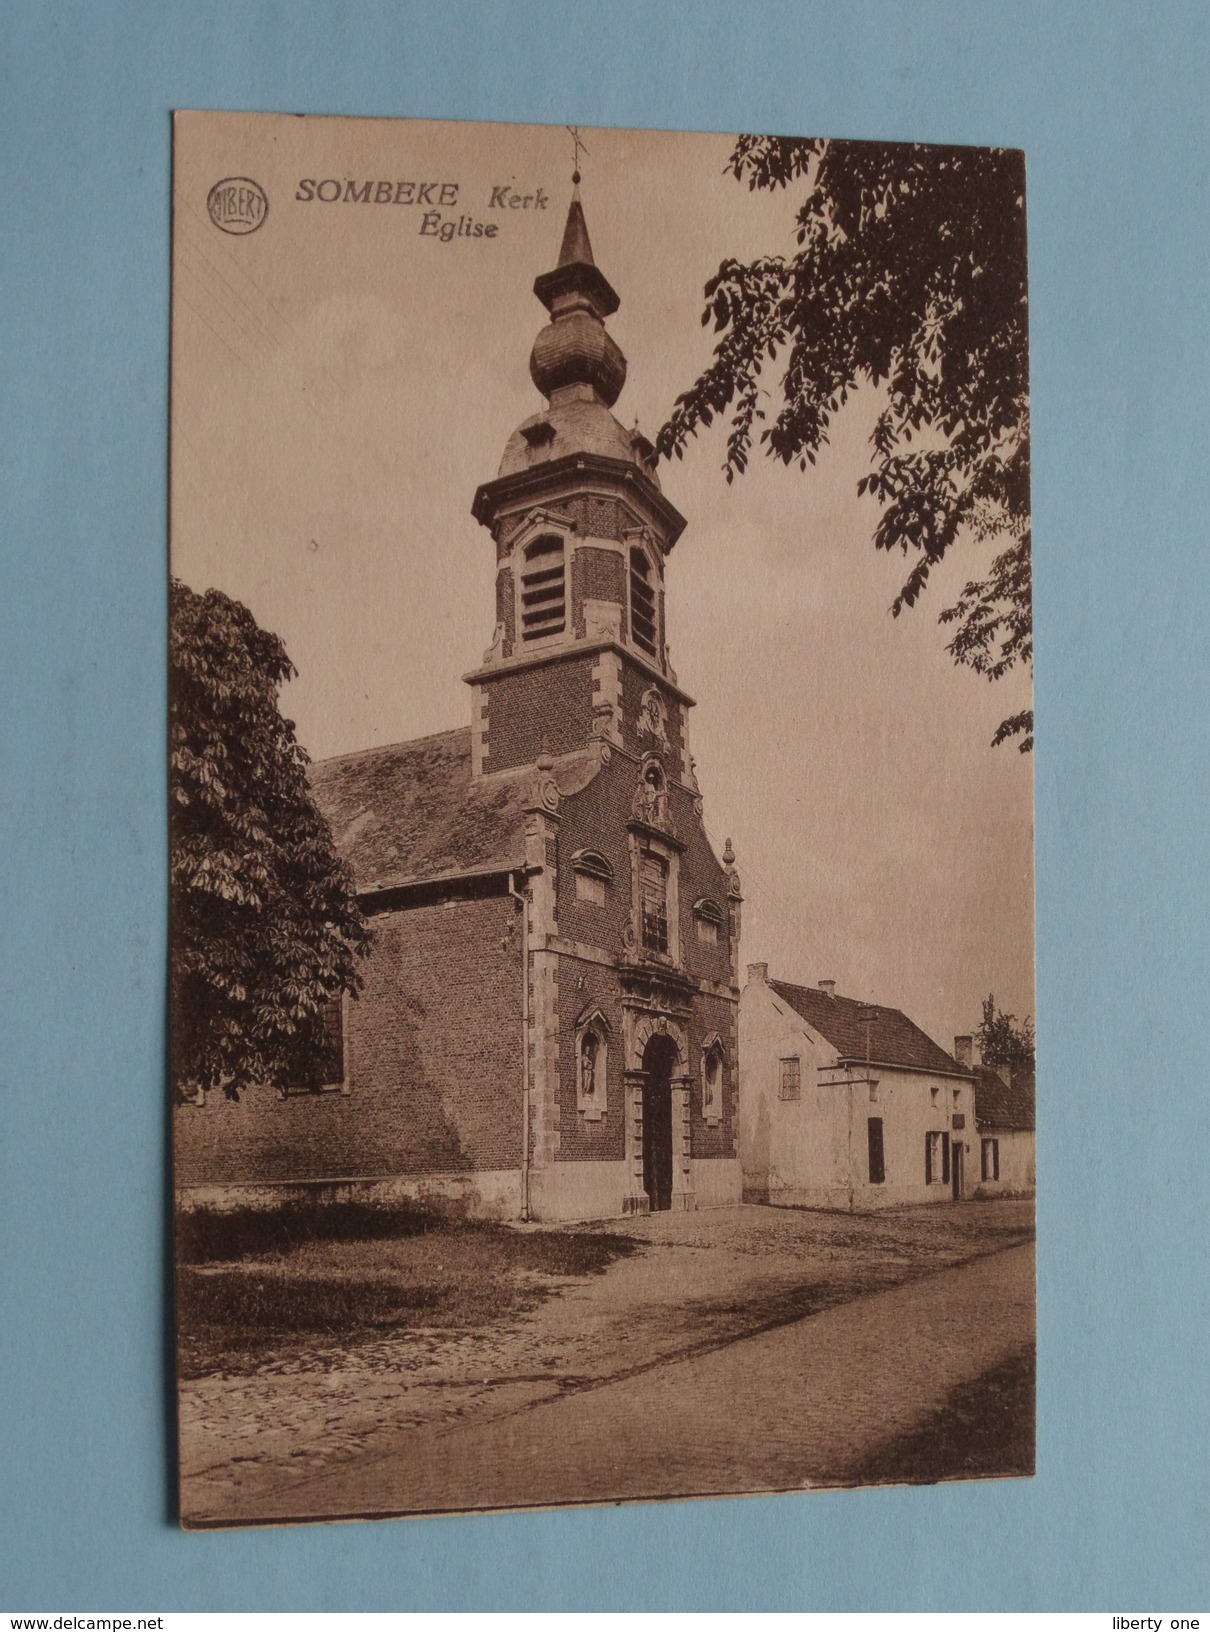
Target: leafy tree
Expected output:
[1002,1041]
[909,275]
[265,925]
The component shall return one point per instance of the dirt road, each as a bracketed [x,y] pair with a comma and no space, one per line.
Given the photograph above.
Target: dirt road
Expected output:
[419,1422]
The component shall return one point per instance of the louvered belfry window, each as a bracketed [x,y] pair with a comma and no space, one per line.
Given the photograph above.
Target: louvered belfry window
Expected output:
[653,889]
[642,603]
[543,590]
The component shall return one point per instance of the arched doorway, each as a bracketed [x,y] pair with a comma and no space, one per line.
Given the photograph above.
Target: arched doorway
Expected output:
[659,1058]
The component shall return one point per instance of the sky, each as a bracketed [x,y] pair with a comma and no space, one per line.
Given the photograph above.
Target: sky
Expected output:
[343,381]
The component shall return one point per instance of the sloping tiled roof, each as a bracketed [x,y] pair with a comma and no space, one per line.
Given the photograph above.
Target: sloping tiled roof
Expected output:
[409,812]
[998,1104]
[894,1040]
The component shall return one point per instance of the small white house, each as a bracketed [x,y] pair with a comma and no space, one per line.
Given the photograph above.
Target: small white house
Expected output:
[844,1104]
[1005,1120]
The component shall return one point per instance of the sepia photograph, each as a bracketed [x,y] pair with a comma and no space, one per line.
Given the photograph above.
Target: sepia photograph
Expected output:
[601,814]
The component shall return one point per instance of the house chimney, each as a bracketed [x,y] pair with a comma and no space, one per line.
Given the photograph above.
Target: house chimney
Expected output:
[758,971]
[964,1052]
[828,987]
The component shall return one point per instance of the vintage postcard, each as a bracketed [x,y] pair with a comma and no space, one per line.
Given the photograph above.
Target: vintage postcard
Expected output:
[601,804]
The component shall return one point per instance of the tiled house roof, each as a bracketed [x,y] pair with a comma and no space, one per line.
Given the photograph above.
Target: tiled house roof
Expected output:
[1009,1106]
[409,812]
[894,1040]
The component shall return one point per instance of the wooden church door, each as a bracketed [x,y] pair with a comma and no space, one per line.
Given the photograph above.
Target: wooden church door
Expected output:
[658,1059]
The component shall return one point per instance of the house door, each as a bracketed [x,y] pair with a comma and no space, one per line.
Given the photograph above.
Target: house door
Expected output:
[956,1169]
[659,1057]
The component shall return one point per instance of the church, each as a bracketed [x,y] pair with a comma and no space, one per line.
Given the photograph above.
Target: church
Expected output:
[549,1024]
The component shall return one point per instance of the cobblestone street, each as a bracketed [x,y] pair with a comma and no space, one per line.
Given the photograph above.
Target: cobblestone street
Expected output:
[304,1434]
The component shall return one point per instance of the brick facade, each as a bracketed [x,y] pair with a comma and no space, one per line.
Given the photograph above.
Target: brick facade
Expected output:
[583,988]
[598,819]
[543,710]
[596,575]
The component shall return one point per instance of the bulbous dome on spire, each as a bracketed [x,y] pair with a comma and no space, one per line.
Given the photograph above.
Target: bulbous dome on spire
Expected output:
[577,351]
[575,348]
[578,367]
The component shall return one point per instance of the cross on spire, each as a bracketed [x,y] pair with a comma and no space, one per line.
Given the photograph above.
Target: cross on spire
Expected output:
[577,148]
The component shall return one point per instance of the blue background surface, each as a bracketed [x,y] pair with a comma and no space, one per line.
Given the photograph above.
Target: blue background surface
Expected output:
[1109,102]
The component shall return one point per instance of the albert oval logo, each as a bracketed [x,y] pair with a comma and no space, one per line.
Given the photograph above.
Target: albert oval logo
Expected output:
[237,205]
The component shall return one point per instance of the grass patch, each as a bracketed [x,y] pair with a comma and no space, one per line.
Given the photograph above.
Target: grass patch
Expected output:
[209,1237]
[984,1429]
[252,1290]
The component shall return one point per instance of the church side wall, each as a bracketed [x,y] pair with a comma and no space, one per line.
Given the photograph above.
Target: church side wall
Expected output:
[434,1071]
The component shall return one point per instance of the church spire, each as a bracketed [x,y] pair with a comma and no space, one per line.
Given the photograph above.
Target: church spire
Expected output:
[576,247]
[574,356]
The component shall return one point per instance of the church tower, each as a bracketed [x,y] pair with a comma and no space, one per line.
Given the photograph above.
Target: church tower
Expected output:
[582,532]
[632,922]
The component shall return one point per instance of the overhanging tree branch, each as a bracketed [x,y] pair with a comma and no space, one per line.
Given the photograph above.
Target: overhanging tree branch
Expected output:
[910,276]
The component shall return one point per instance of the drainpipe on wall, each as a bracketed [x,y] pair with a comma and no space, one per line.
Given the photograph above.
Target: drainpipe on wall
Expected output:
[520,895]
[852,1178]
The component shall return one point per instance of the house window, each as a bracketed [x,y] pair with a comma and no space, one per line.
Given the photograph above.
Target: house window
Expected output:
[991,1158]
[790,1081]
[642,603]
[877,1158]
[592,1050]
[712,1081]
[653,901]
[708,917]
[592,874]
[936,1158]
[543,590]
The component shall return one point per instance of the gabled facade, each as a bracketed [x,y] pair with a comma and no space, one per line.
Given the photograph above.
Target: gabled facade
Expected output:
[848,1105]
[549,1026]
